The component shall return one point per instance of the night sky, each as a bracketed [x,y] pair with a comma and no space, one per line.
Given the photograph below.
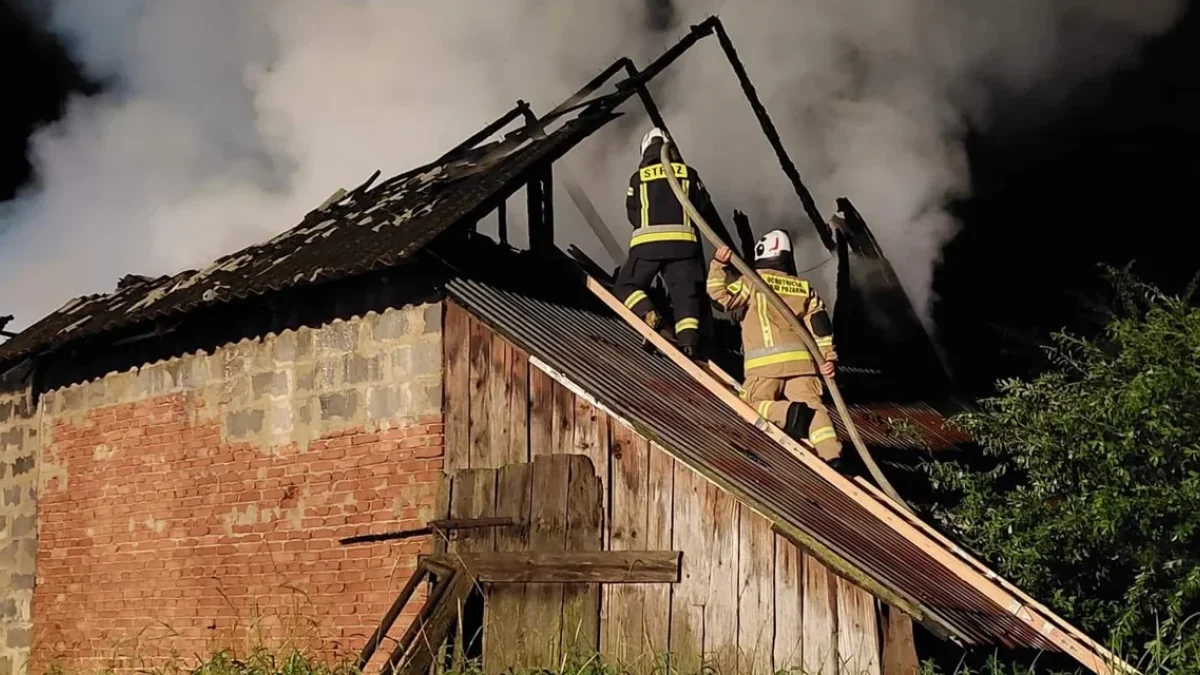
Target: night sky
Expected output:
[1110,180]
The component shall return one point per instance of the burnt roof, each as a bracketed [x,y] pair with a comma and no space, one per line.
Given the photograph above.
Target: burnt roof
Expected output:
[600,356]
[370,228]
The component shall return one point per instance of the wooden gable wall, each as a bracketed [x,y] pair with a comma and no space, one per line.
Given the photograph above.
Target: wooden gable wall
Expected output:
[748,600]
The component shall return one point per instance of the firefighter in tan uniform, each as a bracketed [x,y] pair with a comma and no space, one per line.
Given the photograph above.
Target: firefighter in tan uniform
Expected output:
[782,382]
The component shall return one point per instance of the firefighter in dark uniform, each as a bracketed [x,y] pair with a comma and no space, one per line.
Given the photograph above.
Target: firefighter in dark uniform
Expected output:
[664,242]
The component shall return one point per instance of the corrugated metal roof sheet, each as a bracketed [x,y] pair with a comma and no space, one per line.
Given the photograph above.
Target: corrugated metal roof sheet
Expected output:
[902,427]
[603,356]
[375,229]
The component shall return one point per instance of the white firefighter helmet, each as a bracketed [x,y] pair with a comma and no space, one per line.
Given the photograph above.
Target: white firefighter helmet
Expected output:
[650,136]
[772,245]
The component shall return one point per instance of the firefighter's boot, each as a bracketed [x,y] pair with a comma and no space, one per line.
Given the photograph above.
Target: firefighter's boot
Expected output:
[799,417]
[652,319]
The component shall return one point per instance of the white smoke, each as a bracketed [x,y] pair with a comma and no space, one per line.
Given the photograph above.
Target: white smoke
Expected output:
[225,121]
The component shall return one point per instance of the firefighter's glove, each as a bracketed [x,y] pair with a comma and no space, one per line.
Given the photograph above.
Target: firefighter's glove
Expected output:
[723,255]
[828,368]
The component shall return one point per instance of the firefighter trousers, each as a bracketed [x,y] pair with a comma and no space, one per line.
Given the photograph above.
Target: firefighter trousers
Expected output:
[684,279]
[771,397]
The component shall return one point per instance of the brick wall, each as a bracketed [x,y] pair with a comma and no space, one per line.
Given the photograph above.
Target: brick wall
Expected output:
[18,525]
[194,499]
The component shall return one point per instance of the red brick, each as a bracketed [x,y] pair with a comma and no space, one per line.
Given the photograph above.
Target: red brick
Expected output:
[188,561]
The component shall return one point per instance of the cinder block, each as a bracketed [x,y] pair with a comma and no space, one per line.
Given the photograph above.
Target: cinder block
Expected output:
[358,369]
[23,465]
[340,336]
[391,325]
[12,495]
[342,405]
[243,423]
[270,384]
[287,348]
[21,582]
[18,638]
[433,319]
[385,403]
[6,409]
[23,526]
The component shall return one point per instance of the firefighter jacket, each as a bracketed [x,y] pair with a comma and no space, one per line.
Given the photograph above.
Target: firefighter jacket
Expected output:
[659,220]
[770,347]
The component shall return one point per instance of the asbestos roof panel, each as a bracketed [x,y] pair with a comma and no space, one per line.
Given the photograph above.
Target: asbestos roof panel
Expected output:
[603,357]
[379,228]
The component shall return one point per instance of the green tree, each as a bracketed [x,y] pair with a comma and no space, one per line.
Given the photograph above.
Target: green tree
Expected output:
[1090,498]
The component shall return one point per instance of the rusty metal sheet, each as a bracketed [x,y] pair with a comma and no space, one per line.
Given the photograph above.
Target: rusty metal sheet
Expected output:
[603,356]
[902,427]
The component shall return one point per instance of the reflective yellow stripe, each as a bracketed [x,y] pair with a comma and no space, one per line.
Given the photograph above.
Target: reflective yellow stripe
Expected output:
[763,408]
[716,283]
[629,192]
[655,172]
[764,321]
[822,434]
[782,357]
[651,237]
[825,341]
[687,324]
[634,298]
[645,206]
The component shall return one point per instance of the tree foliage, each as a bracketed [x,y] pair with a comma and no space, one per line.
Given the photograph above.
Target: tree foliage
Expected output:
[1091,500]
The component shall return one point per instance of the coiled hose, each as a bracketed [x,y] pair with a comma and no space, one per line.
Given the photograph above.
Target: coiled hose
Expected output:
[780,306]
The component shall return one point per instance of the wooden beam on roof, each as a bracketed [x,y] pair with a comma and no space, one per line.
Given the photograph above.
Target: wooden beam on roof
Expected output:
[569,567]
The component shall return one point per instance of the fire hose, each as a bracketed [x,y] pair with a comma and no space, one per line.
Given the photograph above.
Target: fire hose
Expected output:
[780,306]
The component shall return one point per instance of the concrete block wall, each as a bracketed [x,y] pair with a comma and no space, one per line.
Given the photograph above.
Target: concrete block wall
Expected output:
[18,526]
[186,501]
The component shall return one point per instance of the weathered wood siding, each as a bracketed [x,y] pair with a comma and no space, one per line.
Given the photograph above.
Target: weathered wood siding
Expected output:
[748,600]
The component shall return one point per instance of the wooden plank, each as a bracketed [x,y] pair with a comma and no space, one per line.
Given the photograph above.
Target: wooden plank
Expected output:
[858,631]
[517,393]
[436,628]
[474,496]
[567,567]
[820,616]
[721,606]
[434,526]
[756,597]
[591,440]
[481,405]
[585,520]
[441,509]
[621,619]
[541,414]
[390,617]
[660,519]
[457,386]
[562,439]
[542,615]
[503,641]
[499,420]
[899,648]
[691,534]
[789,606]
